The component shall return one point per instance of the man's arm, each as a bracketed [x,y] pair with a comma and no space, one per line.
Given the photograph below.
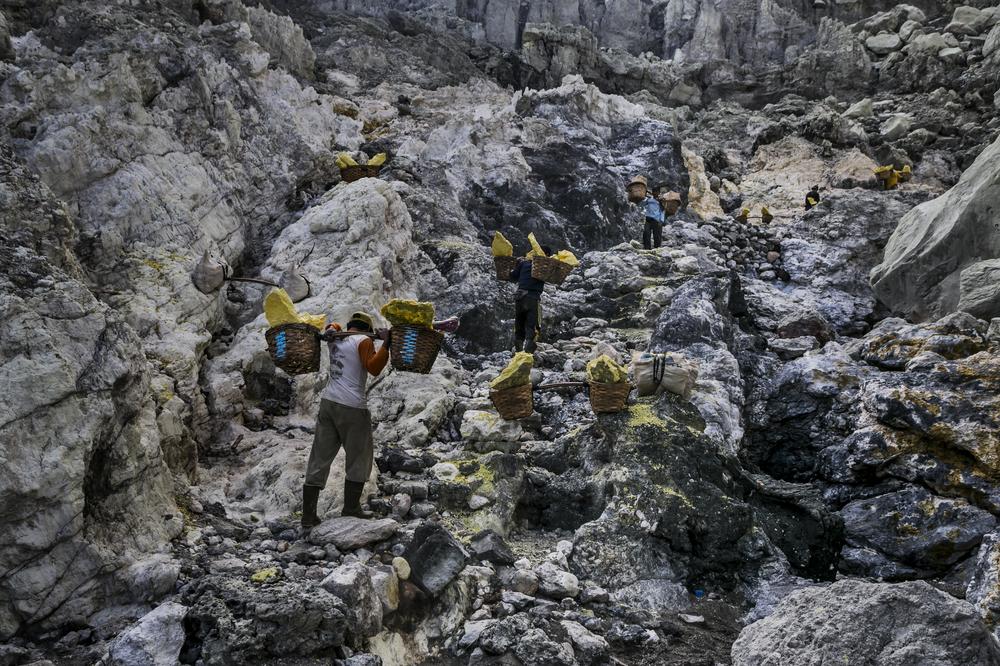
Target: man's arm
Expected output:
[374,361]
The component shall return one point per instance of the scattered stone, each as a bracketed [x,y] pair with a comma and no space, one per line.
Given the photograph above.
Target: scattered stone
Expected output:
[556,583]
[490,546]
[386,583]
[402,567]
[348,533]
[435,558]
[353,583]
[691,619]
[477,502]
[589,648]
[884,43]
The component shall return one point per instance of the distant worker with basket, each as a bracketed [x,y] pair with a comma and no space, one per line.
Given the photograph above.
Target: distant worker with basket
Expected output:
[527,305]
[344,419]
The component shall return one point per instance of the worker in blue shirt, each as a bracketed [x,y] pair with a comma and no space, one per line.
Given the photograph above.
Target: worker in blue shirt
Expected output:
[652,230]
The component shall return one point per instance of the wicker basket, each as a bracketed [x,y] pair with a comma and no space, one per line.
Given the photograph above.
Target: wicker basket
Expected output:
[294,347]
[636,192]
[358,171]
[504,266]
[414,348]
[514,403]
[608,398]
[549,270]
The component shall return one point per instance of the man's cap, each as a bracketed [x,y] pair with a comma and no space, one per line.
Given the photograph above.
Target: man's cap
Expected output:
[365,317]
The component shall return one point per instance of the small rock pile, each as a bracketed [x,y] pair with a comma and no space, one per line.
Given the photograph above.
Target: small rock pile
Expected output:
[746,247]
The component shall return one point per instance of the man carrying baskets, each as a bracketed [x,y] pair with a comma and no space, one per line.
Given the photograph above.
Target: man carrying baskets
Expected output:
[652,230]
[527,305]
[344,419]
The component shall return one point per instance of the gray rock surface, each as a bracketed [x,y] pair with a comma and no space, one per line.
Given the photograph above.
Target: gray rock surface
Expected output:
[871,624]
[950,234]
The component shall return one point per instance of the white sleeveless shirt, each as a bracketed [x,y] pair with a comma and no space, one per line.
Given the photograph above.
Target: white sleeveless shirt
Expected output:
[348,375]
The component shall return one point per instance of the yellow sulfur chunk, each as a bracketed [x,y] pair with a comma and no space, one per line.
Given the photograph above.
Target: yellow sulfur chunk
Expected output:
[278,309]
[535,247]
[501,246]
[265,575]
[517,373]
[415,313]
[378,160]
[345,160]
[604,370]
[567,257]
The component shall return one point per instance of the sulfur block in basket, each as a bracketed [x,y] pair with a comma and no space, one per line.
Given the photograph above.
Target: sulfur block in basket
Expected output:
[415,313]
[605,370]
[517,372]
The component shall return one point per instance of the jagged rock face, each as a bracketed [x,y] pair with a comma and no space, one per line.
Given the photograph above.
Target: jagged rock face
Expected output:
[935,261]
[873,623]
[906,410]
[86,493]
[164,152]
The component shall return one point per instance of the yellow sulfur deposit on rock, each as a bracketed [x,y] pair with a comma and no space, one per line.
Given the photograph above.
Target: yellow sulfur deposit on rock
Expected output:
[278,309]
[517,372]
[378,160]
[501,246]
[536,249]
[567,257]
[414,313]
[265,575]
[604,370]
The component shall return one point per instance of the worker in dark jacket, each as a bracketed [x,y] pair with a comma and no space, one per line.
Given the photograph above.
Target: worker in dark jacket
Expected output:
[812,197]
[527,305]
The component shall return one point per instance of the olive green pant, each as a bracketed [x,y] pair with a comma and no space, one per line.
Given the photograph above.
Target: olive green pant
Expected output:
[340,426]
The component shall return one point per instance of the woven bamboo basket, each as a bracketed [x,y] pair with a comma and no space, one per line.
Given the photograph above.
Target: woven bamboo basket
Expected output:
[414,348]
[504,266]
[294,347]
[608,398]
[358,171]
[549,270]
[514,403]
[636,192]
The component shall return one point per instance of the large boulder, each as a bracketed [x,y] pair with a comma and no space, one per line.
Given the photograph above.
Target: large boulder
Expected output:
[155,640]
[868,624]
[933,261]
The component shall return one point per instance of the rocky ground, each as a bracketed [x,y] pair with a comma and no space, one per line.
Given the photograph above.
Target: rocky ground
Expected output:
[829,491]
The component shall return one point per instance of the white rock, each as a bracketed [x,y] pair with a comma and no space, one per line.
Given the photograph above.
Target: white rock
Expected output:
[352,582]
[895,127]
[155,640]
[860,109]
[445,471]
[484,426]
[884,44]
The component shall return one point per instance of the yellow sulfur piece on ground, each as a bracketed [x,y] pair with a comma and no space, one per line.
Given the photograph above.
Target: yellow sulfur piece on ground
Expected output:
[567,257]
[501,246]
[414,313]
[378,160]
[535,247]
[265,575]
[604,370]
[278,309]
[345,160]
[517,373]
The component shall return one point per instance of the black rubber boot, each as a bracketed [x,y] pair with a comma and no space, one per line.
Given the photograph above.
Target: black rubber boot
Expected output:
[352,500]
[310,497]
